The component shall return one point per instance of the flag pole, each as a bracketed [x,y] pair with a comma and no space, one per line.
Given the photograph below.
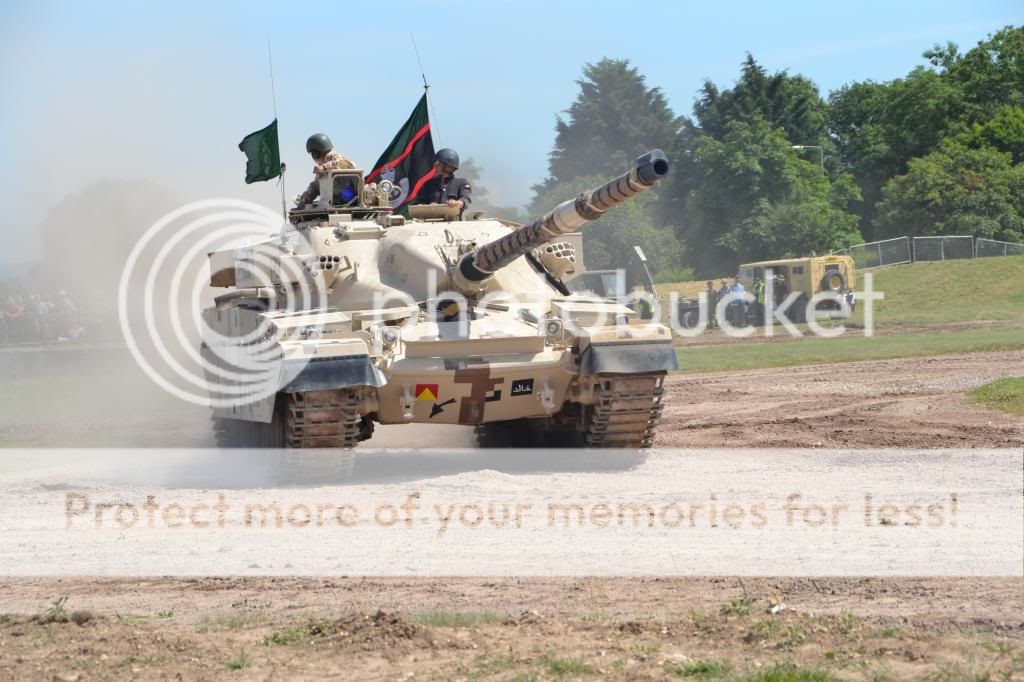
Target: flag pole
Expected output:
[426,89]
[273,96]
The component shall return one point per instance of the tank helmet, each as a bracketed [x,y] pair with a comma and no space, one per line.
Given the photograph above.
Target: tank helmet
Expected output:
[318,144]
[448,156]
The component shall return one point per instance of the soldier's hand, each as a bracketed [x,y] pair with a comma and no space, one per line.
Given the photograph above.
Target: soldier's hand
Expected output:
[318,169]
[456,202]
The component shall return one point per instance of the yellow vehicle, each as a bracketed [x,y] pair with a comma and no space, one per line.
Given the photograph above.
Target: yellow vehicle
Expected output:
[809,276]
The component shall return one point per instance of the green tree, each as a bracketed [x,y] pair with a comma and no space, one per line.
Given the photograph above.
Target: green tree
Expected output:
[990,75]
[608,242]
[756,199]
[880,127]
[615,118]
[791,103]
[1004,132]
[956,190]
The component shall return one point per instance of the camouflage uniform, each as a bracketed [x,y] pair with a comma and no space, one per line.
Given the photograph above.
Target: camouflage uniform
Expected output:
[332,161]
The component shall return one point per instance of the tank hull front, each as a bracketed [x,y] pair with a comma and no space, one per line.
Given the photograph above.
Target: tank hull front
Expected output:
[474,389]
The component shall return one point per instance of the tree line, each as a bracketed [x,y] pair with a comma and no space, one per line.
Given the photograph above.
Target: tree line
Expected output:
[770,168]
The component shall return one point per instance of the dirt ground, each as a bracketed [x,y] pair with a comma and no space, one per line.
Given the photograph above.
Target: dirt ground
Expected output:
[580,628]
[482,628]
[907,402]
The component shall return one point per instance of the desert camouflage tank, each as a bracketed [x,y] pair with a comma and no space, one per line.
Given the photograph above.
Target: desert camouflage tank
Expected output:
[370,317]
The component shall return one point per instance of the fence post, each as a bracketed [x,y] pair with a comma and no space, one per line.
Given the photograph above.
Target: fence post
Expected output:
[880,263]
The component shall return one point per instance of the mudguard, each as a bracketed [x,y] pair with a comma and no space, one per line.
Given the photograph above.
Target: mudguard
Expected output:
[329,373]
[630,357]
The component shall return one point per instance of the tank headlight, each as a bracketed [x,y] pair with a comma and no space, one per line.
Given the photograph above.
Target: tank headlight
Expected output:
[553,327]
[390,336]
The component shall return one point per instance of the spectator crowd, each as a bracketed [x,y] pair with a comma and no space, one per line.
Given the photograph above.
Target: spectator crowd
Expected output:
[39,318]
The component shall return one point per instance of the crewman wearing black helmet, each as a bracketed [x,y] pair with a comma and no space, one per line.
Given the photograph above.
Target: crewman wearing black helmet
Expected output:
[321,149]
[444,187]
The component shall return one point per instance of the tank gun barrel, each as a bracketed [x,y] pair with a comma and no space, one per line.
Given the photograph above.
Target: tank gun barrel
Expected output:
[568,216]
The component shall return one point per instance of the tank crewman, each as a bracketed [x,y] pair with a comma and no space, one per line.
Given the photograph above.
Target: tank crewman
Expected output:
[444,187]
[321,149]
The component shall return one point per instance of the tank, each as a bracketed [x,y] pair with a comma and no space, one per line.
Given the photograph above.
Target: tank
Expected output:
[355,316]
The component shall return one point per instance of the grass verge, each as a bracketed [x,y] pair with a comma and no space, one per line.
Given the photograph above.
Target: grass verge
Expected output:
[814,350]
[1006,395]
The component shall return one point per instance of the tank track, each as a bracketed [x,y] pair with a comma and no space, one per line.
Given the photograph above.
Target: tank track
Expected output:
[625,413]
[318,419]
[322,419]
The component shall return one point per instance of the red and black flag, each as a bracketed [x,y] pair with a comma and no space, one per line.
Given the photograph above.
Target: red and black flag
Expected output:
[408,161]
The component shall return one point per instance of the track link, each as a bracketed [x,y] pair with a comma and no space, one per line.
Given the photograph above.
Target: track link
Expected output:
[625,413]
[318,419]
[322,419]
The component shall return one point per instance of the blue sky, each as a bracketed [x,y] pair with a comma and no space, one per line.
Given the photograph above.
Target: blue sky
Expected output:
[108,90]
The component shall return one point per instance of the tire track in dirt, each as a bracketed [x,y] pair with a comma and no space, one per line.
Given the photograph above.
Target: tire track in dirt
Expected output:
[915,402]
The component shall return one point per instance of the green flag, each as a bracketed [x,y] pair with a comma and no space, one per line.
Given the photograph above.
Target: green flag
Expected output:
[263,154]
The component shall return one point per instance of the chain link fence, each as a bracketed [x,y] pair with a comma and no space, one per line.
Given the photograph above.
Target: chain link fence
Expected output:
[881,253]
[943,248]
[986,248]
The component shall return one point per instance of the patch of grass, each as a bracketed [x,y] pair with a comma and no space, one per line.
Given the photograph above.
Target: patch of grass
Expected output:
[567,666]
[848,622]
[150,660]
[888,633]
[700,620]
[455,619]
[1006,395]
[794,636]
[232,620]
[704,670]
[165,614]
[961,672]
[6,617]
[814,350]
[486,665]
[57,613]
[950,291]
[297,634]
[788,672]
[286,636]
[239,662]
[737,607]
[762,629]
[645,650]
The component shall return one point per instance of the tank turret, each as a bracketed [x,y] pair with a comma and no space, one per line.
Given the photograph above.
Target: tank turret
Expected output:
[475,268]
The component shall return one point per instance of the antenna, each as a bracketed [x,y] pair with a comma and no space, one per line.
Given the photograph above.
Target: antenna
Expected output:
[273,96]
[426,89]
